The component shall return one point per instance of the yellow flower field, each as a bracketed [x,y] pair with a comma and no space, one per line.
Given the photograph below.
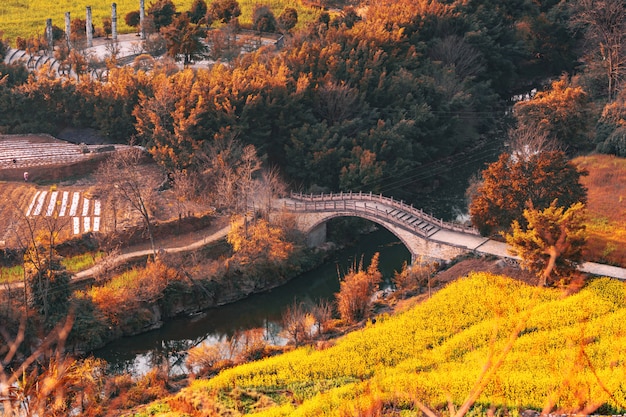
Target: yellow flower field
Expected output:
[569,356]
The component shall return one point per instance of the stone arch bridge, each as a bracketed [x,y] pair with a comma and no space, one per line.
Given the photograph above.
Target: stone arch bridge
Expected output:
[423,234]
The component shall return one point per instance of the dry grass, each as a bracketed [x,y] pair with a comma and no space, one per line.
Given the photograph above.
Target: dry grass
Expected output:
[607,208]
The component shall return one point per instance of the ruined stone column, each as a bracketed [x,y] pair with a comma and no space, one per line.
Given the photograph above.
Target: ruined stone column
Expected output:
[68,29]
[114,22]
[49,37]
[142,18]
[89,28]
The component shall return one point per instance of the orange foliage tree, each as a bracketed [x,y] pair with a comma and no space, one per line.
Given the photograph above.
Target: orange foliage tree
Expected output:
[354,299]
[261,242]
[509,185]
[563,112]
[551,245]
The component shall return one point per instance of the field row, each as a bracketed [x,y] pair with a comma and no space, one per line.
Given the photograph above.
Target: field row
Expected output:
[19,153]
[67,204]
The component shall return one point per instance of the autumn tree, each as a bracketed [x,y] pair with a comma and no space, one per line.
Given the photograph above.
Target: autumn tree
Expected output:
[183,39]
[133,19]
[162,13]
[223,44]
[348,17]
[604,25]
[563,111]
[198,11]
[263,19]
[224,10]
[78,33]
[551,243]
[510,185]
[288,19]
[125,175]
[107,26]
[410,280]
[259,244]
[354,299]
[164,116]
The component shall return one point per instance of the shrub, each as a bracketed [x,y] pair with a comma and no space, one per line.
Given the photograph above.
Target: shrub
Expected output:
[354,299]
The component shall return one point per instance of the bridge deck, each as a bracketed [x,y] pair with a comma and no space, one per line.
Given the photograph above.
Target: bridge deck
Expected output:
[376,206]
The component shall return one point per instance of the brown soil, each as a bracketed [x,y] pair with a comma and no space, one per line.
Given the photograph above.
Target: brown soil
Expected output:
[499,267]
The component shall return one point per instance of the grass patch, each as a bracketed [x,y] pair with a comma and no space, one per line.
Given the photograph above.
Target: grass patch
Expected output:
[81,262]
[606,205]
[12,274]
[72,264]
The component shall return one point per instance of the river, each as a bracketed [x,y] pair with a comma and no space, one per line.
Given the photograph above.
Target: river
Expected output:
[137,354]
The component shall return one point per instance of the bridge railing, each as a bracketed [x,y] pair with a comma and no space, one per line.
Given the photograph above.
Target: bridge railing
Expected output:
[317,199]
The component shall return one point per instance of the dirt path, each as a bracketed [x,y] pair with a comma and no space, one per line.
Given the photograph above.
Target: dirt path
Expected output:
[175,244]
[182,243]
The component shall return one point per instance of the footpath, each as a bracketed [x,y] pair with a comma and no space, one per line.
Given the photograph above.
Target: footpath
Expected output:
[120,259]
[212,236]
[487,246]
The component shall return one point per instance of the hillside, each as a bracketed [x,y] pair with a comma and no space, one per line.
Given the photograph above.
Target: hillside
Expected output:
[606,206]
[567,357]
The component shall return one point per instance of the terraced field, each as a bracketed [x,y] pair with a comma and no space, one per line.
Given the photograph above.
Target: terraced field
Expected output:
[72,207]
[22,152]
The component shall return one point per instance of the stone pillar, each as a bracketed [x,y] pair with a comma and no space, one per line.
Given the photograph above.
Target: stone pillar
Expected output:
[89,28]
[68,28]
[142,18]
[49,37]
[114,22]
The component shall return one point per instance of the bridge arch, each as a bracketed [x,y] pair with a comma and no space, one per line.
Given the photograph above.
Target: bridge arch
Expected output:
[415,229]
[316,232]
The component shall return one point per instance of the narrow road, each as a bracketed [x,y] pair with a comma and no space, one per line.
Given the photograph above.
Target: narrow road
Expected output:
[213,237]
[119,259]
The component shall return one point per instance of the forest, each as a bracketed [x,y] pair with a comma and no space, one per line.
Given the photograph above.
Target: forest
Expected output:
[359,101]
[357,97]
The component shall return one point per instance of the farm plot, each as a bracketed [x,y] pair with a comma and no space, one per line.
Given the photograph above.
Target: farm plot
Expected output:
[83,211]
[23,153]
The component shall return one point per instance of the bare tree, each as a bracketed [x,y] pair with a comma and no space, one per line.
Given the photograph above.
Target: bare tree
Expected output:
[294,322]
[126,176]
[336,102]
[46,283]
[604,24]
[529,139]
[248,165]
[270,187]
[453,51]
[186,187]
[232,168]
[322,313]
